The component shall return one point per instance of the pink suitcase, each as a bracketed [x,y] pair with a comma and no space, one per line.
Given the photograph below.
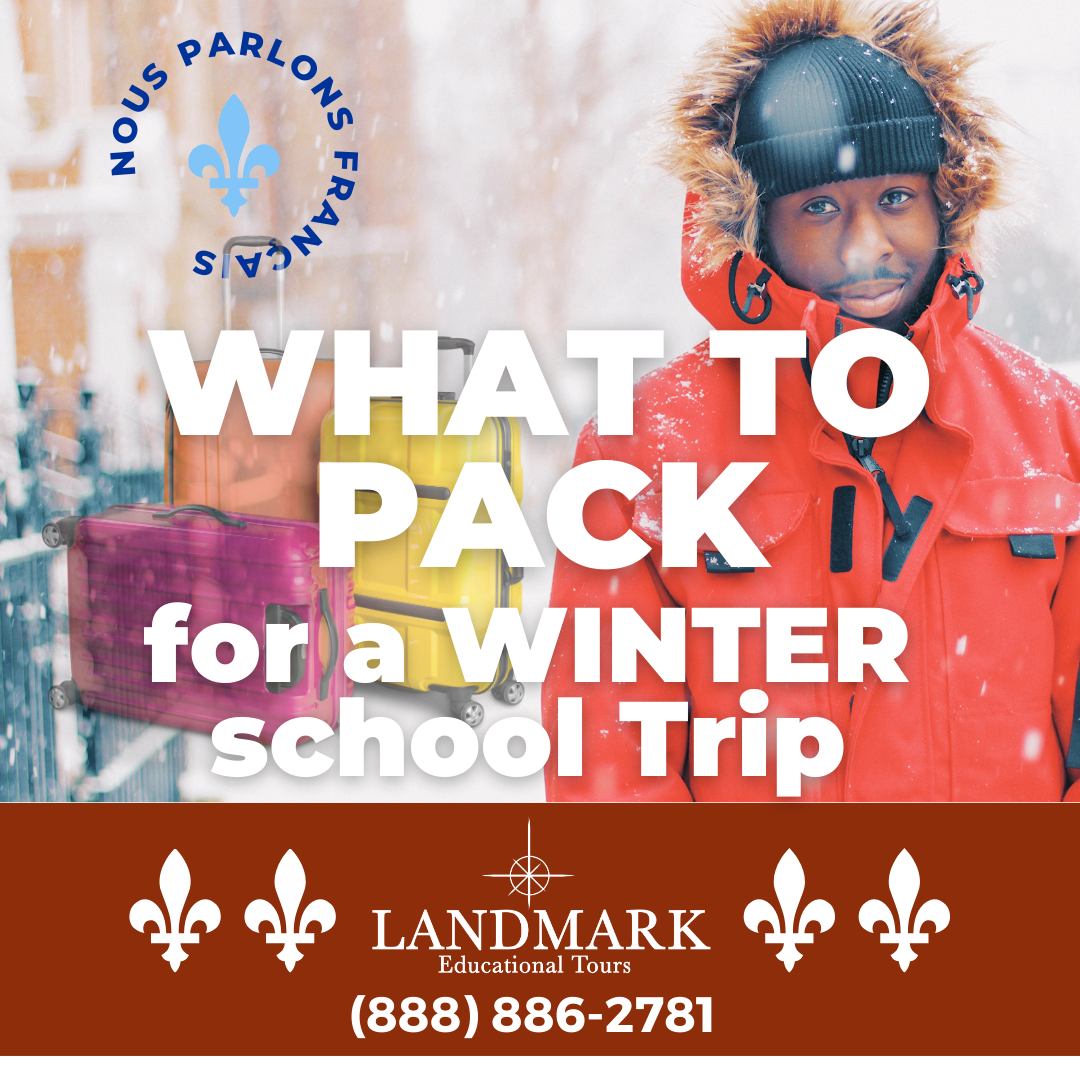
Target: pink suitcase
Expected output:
[124,563]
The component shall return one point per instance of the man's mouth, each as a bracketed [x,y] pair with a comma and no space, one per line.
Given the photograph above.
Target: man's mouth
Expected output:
[871,299]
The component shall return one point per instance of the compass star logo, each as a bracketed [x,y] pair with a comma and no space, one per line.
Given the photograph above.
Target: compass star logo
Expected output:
[529,875]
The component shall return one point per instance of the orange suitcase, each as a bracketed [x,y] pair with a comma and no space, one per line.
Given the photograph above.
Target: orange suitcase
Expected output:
[271,475]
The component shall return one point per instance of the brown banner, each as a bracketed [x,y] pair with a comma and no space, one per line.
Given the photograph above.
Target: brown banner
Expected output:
[977,962]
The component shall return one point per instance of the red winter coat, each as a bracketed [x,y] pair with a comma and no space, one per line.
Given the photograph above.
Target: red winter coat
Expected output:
[994,639]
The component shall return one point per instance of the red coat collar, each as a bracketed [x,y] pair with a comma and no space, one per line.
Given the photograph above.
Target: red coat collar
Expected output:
[934,333]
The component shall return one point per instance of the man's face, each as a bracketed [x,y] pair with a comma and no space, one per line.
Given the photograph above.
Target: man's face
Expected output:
[866,245]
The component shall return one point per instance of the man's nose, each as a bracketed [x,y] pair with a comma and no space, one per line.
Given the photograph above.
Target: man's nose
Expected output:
[865,241]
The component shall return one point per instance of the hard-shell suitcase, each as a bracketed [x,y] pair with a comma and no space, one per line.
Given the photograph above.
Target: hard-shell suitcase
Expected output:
[391,585]
[236,471]
[126,562]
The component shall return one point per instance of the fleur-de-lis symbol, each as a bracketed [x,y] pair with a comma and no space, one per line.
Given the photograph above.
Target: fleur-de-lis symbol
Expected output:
[290,881]
[905,932]
[175,884]
[234,127]
[789,882]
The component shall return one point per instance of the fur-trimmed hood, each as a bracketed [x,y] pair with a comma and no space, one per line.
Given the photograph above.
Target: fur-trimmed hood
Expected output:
[700,149]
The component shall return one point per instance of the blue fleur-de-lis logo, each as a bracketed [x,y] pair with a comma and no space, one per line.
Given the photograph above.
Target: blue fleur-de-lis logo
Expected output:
[234,128]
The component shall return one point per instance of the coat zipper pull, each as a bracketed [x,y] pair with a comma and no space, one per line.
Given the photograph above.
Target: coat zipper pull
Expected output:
[969,284]
[860,451]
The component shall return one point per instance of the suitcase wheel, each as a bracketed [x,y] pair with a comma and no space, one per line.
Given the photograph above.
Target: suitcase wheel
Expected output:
[472,712]
[67,693]
[60,533]
[511,692]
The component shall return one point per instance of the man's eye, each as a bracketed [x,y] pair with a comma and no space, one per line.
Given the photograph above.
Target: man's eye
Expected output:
[895,198]
[820,207]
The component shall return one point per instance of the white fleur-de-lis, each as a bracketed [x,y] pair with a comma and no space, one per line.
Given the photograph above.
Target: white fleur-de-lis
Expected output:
[789,882]
[905,931]
[175,884]
[290,881]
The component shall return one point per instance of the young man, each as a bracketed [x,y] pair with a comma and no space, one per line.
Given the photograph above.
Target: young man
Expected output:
[836,166]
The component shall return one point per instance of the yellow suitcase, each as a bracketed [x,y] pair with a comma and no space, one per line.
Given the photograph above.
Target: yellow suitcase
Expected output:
[392,587]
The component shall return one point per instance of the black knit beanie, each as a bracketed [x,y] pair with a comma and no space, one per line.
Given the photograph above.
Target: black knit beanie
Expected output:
[834,109]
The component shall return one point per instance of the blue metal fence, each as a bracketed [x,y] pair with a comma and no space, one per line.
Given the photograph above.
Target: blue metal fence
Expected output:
[27,734]
[113,489]
[127,760]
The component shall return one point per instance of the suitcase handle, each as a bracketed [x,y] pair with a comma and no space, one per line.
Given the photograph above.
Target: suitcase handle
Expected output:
[279,614]
[464,344]
[236,523]
[253,242]
[328,615]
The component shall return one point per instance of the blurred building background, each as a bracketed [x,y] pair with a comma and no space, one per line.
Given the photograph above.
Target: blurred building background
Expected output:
[504,182]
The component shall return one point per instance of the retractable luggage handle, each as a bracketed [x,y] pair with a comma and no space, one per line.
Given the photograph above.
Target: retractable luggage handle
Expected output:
[226,256]
[226,265]
[290,617]
[468,347]
[235,523]
[279,614]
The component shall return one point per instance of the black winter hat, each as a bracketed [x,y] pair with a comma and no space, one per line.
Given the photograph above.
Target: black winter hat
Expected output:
[834,109]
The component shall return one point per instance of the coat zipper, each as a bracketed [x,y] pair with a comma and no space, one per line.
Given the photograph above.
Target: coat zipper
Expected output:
[861,451]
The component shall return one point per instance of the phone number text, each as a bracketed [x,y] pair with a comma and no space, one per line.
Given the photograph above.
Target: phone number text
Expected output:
[535,1014]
